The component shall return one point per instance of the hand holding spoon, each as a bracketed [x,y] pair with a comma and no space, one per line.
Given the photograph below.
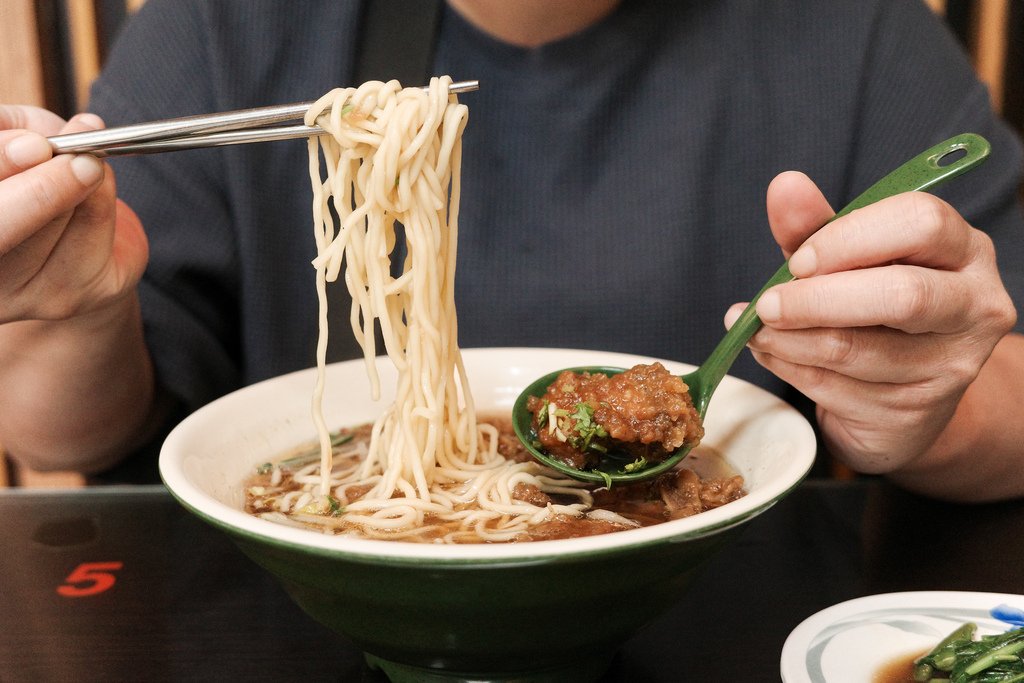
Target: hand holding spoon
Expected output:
[942,162]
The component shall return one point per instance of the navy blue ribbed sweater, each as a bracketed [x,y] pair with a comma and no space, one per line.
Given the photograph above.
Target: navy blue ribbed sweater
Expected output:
[613,182]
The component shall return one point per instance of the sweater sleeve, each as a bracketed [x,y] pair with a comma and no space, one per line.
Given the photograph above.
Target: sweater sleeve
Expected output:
[918,89]
[215,218]
[155,71]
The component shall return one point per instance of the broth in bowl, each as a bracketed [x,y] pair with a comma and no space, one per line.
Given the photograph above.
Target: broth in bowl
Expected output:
[285,491]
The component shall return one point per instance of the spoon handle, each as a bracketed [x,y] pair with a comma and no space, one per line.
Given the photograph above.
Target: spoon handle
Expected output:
[935,165]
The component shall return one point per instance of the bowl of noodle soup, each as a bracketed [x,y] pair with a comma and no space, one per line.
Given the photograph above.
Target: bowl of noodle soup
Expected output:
[472,599]
[471,611]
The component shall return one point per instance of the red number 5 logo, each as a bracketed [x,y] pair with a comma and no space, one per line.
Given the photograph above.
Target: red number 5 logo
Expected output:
[89,578]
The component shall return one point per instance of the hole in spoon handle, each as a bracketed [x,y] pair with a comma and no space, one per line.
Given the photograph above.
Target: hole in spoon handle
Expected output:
[931,167]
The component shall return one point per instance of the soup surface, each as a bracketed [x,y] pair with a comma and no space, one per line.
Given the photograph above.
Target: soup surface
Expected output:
[283,491]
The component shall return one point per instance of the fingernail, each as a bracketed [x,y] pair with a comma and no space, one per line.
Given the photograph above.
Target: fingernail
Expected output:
[769,307]
[87,168]
[88,119]
[803,262]
[27,150]
[731,316]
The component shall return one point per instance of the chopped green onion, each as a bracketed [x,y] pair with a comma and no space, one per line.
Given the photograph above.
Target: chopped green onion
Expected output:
[307,457]
[637,464]
[542,415]
[336,509]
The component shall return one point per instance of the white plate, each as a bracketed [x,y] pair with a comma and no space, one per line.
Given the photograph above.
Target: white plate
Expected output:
[851,641]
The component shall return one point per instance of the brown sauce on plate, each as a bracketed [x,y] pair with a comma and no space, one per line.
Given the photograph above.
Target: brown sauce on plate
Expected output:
[898,670]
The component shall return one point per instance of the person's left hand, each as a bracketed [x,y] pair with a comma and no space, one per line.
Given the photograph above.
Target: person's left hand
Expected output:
[897,307]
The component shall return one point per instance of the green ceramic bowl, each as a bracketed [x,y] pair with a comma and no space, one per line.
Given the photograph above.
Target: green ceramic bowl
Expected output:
[476,612]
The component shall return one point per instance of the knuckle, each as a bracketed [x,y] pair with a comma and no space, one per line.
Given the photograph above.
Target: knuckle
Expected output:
[991,306]
[814,380]
[839,347]
[983,252]
[1009,317]
[850,229]
[928,214]
[984,246]
[935,225]
[997,307]
[998,313]
[961,363]
[963,370]
[910,296]
[958,370]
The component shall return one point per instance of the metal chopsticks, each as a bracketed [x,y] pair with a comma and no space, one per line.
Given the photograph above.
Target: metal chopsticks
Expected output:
[260,124]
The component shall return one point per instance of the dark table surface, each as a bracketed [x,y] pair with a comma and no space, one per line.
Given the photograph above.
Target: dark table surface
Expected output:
[122,584]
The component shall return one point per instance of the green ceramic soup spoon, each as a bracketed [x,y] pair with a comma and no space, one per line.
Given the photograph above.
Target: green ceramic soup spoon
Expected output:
[936,165]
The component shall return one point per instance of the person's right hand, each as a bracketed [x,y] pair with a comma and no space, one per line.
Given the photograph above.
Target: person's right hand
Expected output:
[68,246]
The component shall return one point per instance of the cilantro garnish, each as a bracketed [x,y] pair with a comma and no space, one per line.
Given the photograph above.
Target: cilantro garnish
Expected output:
[585,427]
[335,507]
[637,464]
[340,437]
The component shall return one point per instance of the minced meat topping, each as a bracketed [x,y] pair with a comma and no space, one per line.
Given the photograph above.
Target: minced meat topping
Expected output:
[644,413]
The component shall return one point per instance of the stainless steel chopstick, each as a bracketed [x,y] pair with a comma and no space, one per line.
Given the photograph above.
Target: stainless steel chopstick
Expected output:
[232,137]
[207,130]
